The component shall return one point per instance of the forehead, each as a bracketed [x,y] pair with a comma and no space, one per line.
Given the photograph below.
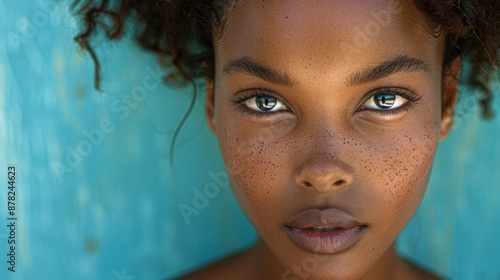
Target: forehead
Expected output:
[322,33]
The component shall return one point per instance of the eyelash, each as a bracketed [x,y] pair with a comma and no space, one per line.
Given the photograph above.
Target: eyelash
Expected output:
[258,92]
[406,94]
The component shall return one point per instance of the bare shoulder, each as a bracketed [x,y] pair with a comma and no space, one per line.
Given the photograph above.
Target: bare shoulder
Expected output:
[232,267]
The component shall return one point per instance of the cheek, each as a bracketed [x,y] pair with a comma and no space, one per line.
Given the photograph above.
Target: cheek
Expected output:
[255,167]
[397,164]
[403,166]
[397,177]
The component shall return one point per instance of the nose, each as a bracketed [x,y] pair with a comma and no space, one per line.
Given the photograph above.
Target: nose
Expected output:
[323,175]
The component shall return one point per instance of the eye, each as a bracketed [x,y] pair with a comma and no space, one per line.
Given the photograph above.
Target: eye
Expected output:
[385,101]
[265,104]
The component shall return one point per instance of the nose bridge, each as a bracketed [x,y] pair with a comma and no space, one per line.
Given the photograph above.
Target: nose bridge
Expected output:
[324,163]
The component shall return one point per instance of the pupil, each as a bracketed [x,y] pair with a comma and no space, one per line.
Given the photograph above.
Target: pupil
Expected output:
[385,101]
[265,103]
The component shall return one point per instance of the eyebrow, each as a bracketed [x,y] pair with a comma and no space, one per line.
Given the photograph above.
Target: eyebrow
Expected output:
[247,66]
[402,63]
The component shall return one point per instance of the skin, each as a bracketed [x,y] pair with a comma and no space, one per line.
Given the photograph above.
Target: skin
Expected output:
[324,149]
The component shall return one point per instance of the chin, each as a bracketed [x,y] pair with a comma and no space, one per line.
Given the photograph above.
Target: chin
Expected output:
[323,266]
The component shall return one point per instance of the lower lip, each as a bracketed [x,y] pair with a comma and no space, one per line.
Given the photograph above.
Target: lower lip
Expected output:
[328,242]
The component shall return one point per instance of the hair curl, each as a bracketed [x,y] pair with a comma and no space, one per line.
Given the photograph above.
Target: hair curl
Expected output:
[170,28]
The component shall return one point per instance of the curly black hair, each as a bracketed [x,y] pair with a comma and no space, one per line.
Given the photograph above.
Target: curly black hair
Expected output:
[170,28]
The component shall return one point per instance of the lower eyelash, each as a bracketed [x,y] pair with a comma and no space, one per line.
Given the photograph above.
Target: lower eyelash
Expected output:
[399,111]
[249,112]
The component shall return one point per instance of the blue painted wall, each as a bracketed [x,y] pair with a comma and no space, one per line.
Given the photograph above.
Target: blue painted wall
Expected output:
[96,196]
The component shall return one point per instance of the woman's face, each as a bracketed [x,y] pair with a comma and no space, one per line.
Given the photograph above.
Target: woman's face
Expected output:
[328,115]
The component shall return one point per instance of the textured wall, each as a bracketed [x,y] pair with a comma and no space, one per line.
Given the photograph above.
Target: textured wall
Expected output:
[96,196]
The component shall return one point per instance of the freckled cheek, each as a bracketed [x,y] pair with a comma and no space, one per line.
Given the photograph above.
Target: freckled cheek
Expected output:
[401,175]
[255,167]
[412,158]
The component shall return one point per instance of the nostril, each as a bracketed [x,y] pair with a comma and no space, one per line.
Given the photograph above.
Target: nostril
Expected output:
[339,183]
[307,184]
[323,178]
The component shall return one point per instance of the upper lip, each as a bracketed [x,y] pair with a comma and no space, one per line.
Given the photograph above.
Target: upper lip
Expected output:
[331,217]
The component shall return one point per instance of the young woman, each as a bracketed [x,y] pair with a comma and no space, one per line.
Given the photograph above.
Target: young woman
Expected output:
[328,115]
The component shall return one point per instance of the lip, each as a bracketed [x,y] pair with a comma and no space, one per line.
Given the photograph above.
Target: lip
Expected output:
[299,229]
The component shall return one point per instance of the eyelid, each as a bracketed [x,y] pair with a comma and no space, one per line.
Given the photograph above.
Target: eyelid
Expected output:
[250,93]
[407,94]
[246,95]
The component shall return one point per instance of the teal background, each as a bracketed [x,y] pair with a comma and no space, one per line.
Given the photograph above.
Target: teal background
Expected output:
[114,213]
